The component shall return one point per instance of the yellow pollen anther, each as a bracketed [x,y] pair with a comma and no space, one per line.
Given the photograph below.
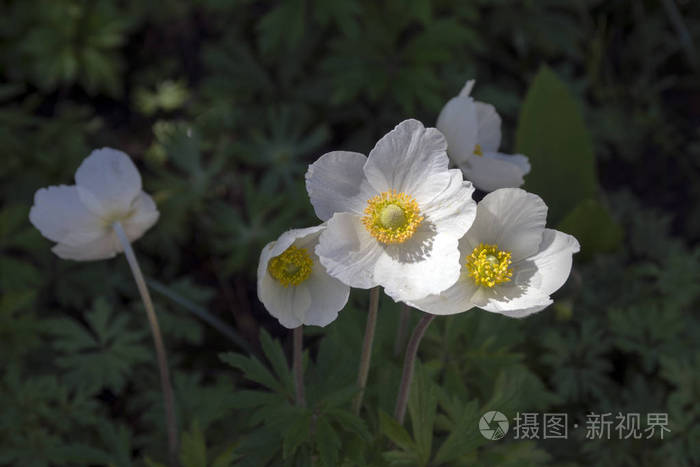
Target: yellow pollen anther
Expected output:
[392,217]
[291,267]
[489,266]
[478,151]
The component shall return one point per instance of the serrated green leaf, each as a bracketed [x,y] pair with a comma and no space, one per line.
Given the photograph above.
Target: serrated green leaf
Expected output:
[327,442]
[350,422]
[464,436]
[295,434]
[248,399]
[193,448]
[396,433]
[254,370]
[422,406]
[275,355]
[104,354]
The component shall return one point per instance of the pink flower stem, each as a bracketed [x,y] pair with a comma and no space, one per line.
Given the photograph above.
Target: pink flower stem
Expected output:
[366,356]
[169,399]
[408,364]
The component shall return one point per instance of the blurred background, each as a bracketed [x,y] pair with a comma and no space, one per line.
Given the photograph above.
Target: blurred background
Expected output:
[223,104]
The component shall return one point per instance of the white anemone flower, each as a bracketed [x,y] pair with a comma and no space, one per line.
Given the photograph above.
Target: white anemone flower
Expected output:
[80,218]
[294,286]
[511,263]
[473,133]
[97,218]
[393,218]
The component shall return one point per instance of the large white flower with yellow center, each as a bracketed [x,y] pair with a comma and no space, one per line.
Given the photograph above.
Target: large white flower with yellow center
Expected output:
[80,217]
[294,286]
[510,262]
[393,218]
[473,133]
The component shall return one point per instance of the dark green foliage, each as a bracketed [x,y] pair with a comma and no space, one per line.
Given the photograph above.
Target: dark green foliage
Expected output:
[552,133]
[101,354]
[223,105]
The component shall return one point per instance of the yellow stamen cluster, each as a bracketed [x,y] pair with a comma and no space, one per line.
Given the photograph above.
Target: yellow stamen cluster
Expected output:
[291,267]
[478,151]
[392,217]
[488,266]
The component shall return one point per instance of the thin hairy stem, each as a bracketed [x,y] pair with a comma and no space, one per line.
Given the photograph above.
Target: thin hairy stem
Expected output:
[367,348]
[166,386]
[408,364]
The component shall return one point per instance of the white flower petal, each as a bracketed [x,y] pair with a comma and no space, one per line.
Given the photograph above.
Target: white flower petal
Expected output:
[315,301]
[452,211]
[467,89]
[550,267]
[456,299]
[514,300]
[348,251]
[287,304]
[106,246]
[511,218]
[328,297]
[458,123]
[523,162]
[489,127]
[109,182]
[60,216]
[337,183]
[284,303]
[493,171]
[410,159]
[144,214]
[426,264]
[303,238]
[300,302]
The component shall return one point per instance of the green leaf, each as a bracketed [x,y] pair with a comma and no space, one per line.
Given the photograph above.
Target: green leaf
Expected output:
[396,433]
[275,355]
[193,450]
[295,435]
[327,442]
[226,458]
[551,132]
[152,463]
[350,422]
[422,406]
[254,370]
[593,227]
[247,399]
[463,438]
[282,26]
[103,354]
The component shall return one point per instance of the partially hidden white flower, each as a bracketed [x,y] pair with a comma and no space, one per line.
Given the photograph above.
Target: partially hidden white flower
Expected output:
[510,262]
[393,218]
[79,217]
[473,133]
[294,286]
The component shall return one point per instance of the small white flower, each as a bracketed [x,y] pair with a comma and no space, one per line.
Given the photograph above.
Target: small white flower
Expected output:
[393,218]
[79,217]
[473,133]
[294,286]
[510,262]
